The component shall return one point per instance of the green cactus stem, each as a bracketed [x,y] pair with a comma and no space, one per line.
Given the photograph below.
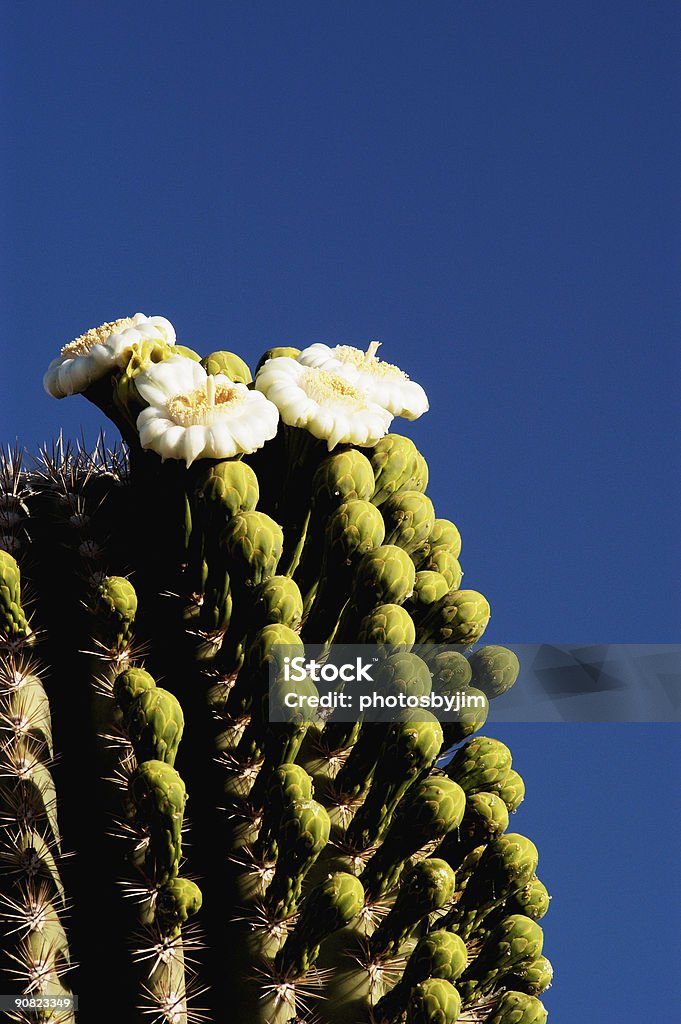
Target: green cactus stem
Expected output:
[159,796]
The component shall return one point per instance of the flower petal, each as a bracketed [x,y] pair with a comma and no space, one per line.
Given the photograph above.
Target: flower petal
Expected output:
[326,404]
[95,353]
[195,415]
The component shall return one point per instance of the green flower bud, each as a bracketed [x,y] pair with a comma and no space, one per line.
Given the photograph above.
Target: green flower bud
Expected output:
[485,819]
[447,564]
[274,353]
[387,624]
[421,475]
[114,609]
[302,835]
[333,904]
[263,650]
[472,716]
[532,900]
[445,534]
[532,979]
[426,887]
[481,765]
[459,618]
[287,783]
[277,601]
[429,587]
[404,673]
[512,790]
[254,543]
[397,466]
[451,670]
[517,1008]
[13,624]
[431,809]
[409,518]
[231,365]
[176,902]
[223,490]
[129,684]
[434,1001]
[506,865]
[384,576]
[264,654]
[495,669]
[355,528]
[439,954]
[345,476]
[154,723]
[515,942]
[410,747]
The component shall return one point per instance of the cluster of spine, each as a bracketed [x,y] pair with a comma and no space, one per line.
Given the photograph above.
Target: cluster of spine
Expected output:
[352,873]
[35,958]
[71,505]
[141,725]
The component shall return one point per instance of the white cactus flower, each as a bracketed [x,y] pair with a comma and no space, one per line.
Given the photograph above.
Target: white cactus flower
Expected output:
[194,415]
[326,404]
[387,385]
[99,350]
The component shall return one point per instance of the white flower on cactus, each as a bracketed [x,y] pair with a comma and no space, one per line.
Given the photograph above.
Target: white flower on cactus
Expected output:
[95,353]
[326,404]
[387,385]
[194,415]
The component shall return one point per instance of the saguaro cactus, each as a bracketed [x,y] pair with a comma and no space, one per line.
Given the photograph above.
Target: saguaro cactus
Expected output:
[226,865]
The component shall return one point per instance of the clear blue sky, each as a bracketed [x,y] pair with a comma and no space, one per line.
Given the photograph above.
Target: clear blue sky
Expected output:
[491,190]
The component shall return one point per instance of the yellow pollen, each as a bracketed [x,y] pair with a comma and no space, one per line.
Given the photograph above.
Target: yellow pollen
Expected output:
[96,336]
[320,385]
[201,406]
[368,360]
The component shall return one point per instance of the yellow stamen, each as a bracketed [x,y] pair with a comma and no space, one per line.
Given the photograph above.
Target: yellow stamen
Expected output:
[320,385]
[368,360]
[201,406]
[96,336]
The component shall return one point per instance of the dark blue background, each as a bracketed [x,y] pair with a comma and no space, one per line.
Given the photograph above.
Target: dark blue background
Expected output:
[491,190]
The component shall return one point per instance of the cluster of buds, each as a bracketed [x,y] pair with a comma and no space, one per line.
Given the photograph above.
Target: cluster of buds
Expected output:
[341,872]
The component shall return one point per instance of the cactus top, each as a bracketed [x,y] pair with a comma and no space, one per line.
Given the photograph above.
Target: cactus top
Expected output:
[83,361]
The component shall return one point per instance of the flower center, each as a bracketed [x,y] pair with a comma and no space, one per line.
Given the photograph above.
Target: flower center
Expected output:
[96,336]
[321,386]
[368,360]
[203,405]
